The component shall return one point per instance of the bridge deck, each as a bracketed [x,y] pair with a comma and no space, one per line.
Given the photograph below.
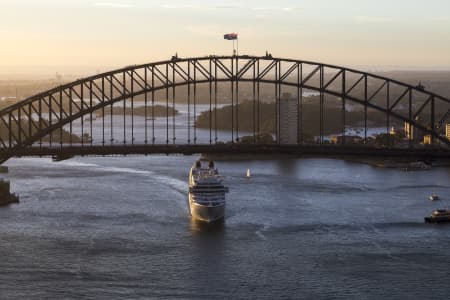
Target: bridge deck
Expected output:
[229,149]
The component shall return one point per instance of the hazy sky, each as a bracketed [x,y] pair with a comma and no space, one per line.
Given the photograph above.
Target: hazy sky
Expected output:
[109,33]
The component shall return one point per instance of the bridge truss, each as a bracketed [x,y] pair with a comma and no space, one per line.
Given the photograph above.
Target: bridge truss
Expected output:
[135,105]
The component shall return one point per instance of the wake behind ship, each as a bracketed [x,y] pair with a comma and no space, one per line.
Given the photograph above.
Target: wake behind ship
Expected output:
[206,193]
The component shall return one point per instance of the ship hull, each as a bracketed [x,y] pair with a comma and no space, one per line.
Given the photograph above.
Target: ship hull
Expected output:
[206,214]
[437,219]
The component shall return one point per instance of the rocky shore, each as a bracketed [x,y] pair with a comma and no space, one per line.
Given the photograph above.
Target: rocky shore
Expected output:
[6,197]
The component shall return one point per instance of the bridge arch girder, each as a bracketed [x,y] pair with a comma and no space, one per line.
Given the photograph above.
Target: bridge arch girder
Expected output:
[118,85]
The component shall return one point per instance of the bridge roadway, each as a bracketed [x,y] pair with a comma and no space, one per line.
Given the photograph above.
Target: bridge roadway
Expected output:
[60,153]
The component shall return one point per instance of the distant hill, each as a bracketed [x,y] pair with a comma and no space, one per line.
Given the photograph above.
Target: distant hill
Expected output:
[311,111]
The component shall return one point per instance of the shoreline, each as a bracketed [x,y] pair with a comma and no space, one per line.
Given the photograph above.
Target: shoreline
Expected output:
[9,201]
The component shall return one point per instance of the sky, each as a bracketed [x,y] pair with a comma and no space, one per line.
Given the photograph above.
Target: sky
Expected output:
[75,35]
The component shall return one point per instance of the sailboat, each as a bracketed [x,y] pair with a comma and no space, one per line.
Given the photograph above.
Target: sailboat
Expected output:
[248,173]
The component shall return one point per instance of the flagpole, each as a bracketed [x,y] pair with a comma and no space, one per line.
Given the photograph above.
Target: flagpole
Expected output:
[233,37]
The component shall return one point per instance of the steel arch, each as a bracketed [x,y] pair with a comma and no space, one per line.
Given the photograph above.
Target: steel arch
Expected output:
[121,85]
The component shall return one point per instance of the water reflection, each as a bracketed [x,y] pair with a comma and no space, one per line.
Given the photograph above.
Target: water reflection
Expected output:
[207,258]
[287,166]
[199,227]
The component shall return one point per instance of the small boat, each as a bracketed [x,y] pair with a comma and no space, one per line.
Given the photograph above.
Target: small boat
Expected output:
[439,216]
[433,197]
[417,166]
[248,173]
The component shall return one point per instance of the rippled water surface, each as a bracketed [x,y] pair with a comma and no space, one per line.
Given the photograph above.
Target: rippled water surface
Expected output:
[108,228]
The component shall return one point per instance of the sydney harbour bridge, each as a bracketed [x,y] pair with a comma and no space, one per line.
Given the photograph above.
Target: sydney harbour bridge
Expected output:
[240,101]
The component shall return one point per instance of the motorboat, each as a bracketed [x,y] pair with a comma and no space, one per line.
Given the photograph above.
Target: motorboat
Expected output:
[433,197]
[439,216]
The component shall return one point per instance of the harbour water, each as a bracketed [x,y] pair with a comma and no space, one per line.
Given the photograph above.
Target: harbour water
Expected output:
[118,227]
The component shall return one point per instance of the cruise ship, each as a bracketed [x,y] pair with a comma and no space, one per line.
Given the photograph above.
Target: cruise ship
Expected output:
[206,193]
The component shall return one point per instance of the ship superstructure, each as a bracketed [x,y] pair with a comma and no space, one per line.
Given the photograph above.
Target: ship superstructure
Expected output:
[206,193]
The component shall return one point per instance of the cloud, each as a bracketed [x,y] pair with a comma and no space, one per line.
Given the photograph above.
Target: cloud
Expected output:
[112,4]
[276,8]
[232,6]
[177,6]
[440,19]
[374,19]
[228,6]
[190,6]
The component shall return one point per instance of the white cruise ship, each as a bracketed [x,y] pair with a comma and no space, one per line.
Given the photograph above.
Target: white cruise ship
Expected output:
[206,193]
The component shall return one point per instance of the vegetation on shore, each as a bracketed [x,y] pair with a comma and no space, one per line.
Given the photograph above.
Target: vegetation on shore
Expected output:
[56,136]
[310,123]
[157,111]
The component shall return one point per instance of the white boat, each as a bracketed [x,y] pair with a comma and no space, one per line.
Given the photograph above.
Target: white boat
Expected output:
[248,173]
[206,193]
[433,197]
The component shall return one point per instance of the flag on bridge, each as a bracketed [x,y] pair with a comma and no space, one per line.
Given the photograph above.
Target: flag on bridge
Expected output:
[230,36]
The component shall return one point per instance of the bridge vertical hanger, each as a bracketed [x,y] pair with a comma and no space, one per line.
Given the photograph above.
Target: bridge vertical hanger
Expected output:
[90,114]
[195,102]
[167,103]
[237,98]
[258,100]
[10,132]
[189,102]
[132,106]
[173,103]
[82,118]
[321,83]
[49,106]
[278,99]
[365,108]
[433,121]
[388,107]
[215,102]
[276,123]
[411,135]
[15,121]
[60,118]
[70,114]
[103,110]
[146,106]
[153,105]
[232,100]
[30,122]
[5,142]
[254,103]
[210,102]
[19,127]
[111,111]
[343,95]
[25,126]
[124,108]
[40,122]
[299,104]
